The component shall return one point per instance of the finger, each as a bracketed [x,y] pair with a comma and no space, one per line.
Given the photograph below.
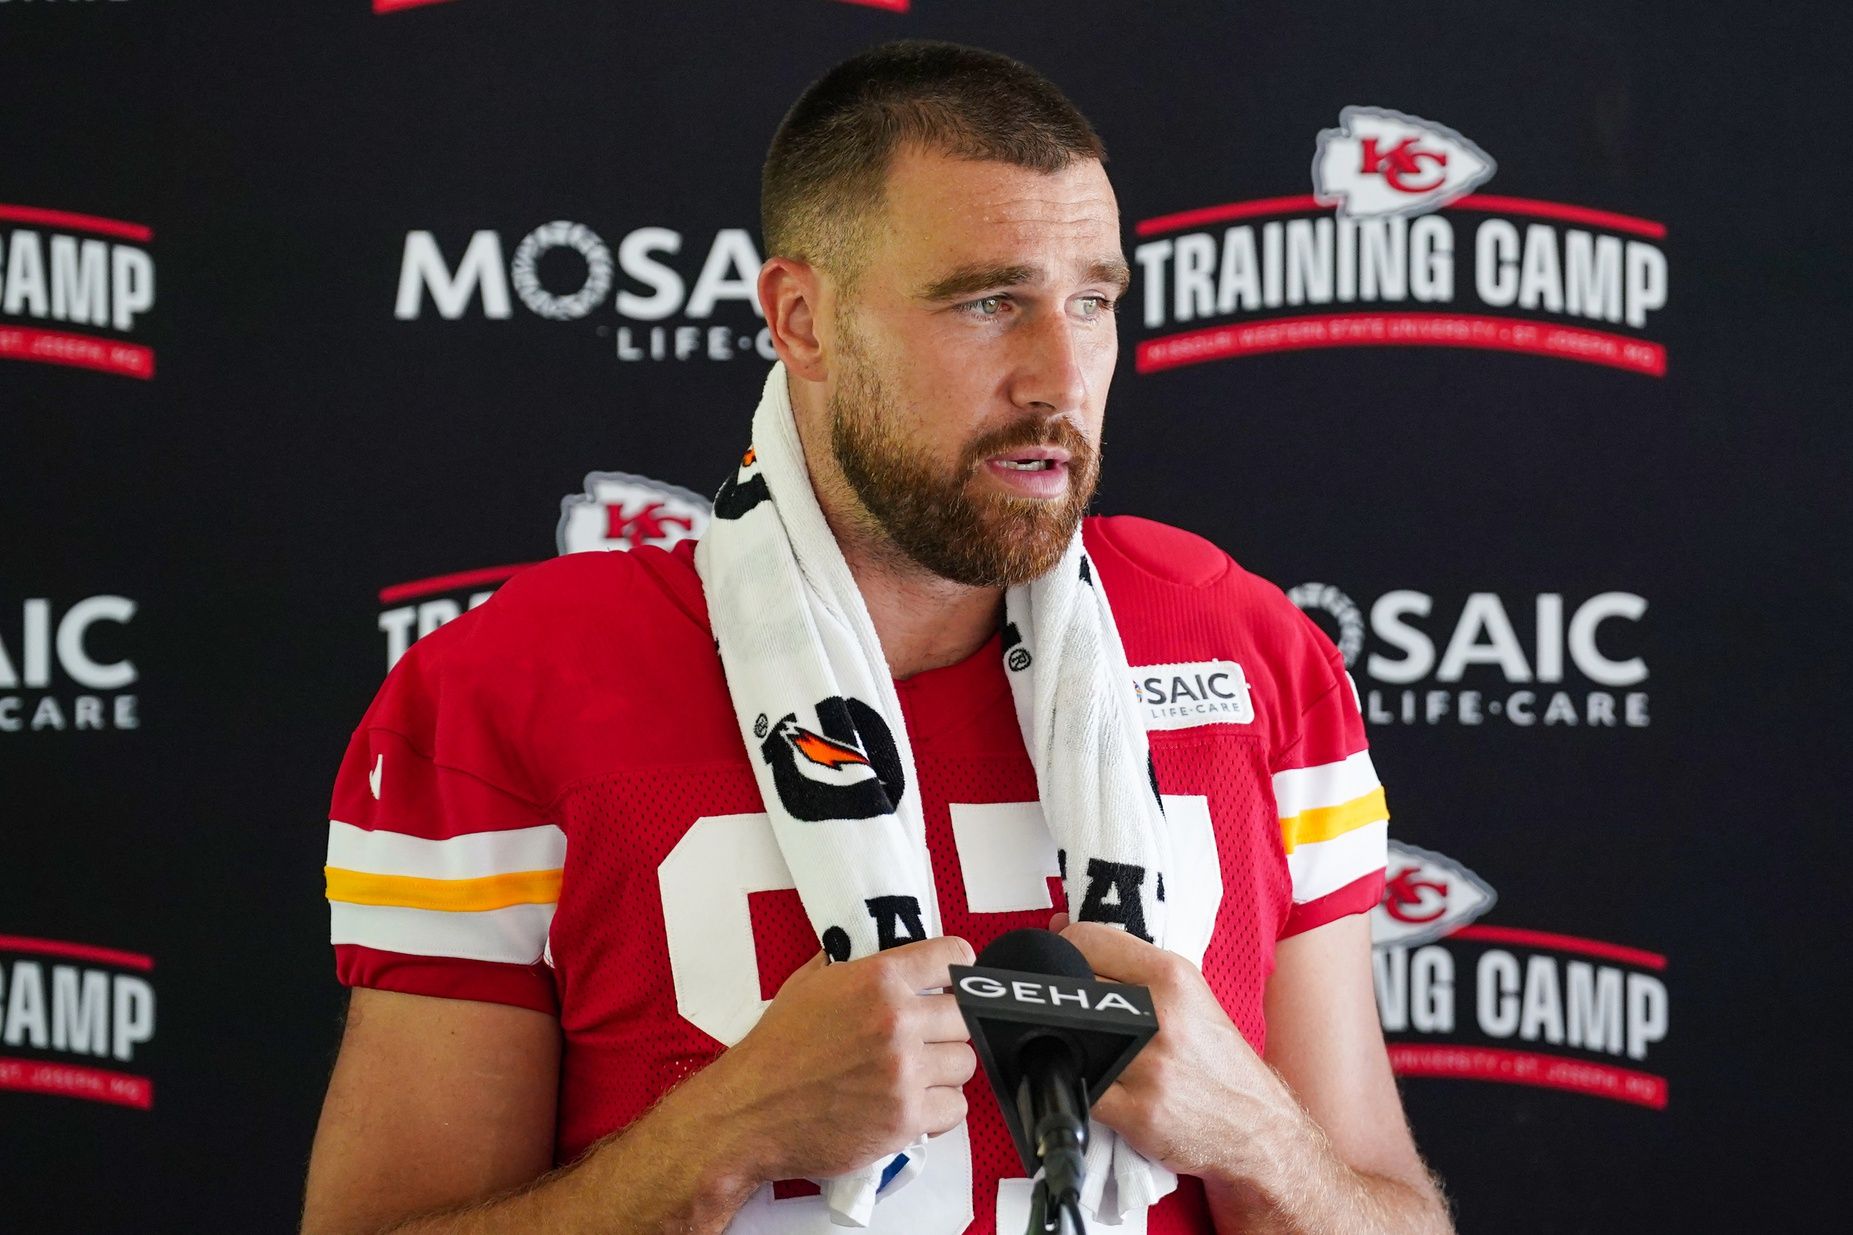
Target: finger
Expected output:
[1115,955]
[948,1063]
[941,1020]
[1110,1108]
[1058,922]
[923,965]
[945,1109]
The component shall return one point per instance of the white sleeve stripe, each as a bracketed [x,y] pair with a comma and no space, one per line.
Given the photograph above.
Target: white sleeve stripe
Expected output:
[1324,867]
[514,935]
[1328,784]
[469,856]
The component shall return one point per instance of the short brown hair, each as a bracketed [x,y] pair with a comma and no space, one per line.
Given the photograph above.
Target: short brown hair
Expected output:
[828,166]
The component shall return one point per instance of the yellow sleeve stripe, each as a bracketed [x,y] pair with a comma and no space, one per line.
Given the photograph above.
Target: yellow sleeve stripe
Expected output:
[1327,822]
[447,895]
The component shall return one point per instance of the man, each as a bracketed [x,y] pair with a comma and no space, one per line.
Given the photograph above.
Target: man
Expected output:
[566,839]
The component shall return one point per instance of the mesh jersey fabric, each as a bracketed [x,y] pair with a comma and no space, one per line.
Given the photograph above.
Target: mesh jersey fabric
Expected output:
[549,805]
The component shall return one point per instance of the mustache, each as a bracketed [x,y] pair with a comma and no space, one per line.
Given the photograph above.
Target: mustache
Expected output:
[1025,433]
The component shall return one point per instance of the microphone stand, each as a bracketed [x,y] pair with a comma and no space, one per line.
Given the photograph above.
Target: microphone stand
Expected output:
[1066,1220]
[1052,1101]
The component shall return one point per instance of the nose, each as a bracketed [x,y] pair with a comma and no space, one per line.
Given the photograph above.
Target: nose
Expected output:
[1048,377]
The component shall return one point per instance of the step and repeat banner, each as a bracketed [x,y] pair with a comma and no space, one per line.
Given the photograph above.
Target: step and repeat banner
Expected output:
[1507,339]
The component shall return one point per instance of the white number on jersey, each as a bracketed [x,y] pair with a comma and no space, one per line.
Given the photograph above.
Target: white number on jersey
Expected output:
[1006,853]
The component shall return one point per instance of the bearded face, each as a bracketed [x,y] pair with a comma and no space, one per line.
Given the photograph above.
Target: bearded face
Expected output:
[945,515]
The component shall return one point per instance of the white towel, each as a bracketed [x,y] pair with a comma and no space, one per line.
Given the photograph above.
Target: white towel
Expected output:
[817,708]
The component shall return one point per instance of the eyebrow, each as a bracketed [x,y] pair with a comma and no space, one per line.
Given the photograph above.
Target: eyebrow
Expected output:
[968,279]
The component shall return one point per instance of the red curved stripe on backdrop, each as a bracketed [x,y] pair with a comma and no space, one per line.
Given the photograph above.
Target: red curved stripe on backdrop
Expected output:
[1473,201]
[448,583]
[1482,331]
[76,951]
[1229,210]
[1562,943]
[76,222]
[1560,210]
[1485,1063]
[68,1080]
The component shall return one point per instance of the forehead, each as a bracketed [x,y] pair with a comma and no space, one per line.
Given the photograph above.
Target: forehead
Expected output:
[942,210]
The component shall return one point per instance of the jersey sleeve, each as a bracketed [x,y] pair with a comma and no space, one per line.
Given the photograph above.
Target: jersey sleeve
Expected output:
[442,873]
[1334,822]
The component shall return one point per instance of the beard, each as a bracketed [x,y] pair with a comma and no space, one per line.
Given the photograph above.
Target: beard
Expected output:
[948,521]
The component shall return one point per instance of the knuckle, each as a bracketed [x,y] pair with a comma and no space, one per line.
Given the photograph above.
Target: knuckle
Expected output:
[1173,969]
[952,1116]
[886,1020]
[898,1029]
[891,982]
[1163,1073]
[897,1072]
[909,1118]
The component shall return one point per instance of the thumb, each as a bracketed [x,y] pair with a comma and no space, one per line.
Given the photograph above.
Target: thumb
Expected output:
[1059,922]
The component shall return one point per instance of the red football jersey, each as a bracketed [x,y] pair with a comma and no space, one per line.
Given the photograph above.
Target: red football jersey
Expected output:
[549,804]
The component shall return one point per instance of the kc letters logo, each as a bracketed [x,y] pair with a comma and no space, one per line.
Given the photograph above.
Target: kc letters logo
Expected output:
[1395,246]
[614,510]
[1426,896]
[1380,162]
[1463,999]
[622,511]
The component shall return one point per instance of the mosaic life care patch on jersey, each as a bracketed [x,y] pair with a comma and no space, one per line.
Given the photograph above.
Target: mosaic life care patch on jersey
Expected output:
[1184,696]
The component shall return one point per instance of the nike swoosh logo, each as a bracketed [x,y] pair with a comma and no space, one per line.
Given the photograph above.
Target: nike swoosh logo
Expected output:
[373,777]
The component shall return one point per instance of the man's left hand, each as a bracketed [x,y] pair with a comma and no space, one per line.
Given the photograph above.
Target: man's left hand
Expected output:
[1197,1098]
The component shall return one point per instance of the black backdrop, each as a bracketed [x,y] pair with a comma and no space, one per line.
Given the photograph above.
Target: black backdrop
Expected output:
[210,409]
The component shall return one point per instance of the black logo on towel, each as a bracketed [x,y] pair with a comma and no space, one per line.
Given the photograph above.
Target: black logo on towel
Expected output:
[739,496]
[849,770]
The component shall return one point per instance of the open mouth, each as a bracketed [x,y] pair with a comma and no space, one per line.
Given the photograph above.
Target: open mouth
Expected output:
[1031,458]
[1031,471]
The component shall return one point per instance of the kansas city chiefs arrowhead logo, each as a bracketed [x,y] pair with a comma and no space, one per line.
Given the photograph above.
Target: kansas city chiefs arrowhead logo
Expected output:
[1380,162]
[621,511]
[1426,896]
[846,768]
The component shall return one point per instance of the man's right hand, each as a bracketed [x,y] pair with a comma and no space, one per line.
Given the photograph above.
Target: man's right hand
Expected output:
[437,1105]
[851,1062]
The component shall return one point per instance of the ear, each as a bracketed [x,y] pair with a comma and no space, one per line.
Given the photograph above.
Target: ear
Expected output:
[791,294]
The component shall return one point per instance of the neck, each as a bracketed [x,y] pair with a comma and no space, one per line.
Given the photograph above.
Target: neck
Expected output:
[923,621]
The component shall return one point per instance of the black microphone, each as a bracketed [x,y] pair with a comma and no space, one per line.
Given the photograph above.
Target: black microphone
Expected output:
[1051,1038]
